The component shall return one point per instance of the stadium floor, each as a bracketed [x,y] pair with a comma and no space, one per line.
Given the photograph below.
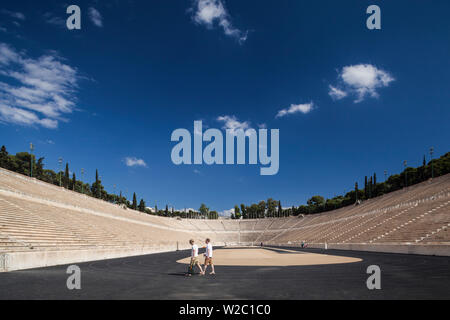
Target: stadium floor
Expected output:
[158,276]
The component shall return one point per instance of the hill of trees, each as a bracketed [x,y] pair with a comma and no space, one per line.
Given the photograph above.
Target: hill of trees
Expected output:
[26,164]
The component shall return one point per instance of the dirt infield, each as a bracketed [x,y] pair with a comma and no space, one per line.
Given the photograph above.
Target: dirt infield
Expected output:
[255,257]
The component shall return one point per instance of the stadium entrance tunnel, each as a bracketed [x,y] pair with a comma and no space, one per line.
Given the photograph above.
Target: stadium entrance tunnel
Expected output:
[272,257]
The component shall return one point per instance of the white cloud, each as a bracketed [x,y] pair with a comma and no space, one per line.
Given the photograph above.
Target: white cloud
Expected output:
[54,20]
[361,81]
[226,213]
[180,210]
[7,55]
[208,12]
[24,117]
[95,17]
[15,15]
[135,162]
[39,91]
[233,124]
[336,93]
[295,108]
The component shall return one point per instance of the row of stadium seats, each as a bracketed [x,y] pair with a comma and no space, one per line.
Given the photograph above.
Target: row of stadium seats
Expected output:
[421,220]
[38,216]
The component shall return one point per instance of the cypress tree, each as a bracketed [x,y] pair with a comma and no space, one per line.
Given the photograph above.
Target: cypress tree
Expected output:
[374,191]
[280,209]
[74,181]
[134,205]
[366,190]
[66,176]
[142,205]
[96,187]
[422,170]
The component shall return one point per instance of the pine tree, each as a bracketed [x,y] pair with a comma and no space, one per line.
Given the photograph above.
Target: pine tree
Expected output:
[203,210]
[244,211]
[237,212]
[4,158]
[280,209]
[39,168]
[167,210]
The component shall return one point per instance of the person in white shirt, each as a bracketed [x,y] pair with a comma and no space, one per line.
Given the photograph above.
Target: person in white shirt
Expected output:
[194,259]
[209,256]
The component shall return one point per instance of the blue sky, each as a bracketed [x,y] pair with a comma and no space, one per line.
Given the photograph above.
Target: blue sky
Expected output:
[350,101]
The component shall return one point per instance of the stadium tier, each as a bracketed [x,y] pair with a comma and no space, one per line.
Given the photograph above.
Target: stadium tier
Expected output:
[42,224]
